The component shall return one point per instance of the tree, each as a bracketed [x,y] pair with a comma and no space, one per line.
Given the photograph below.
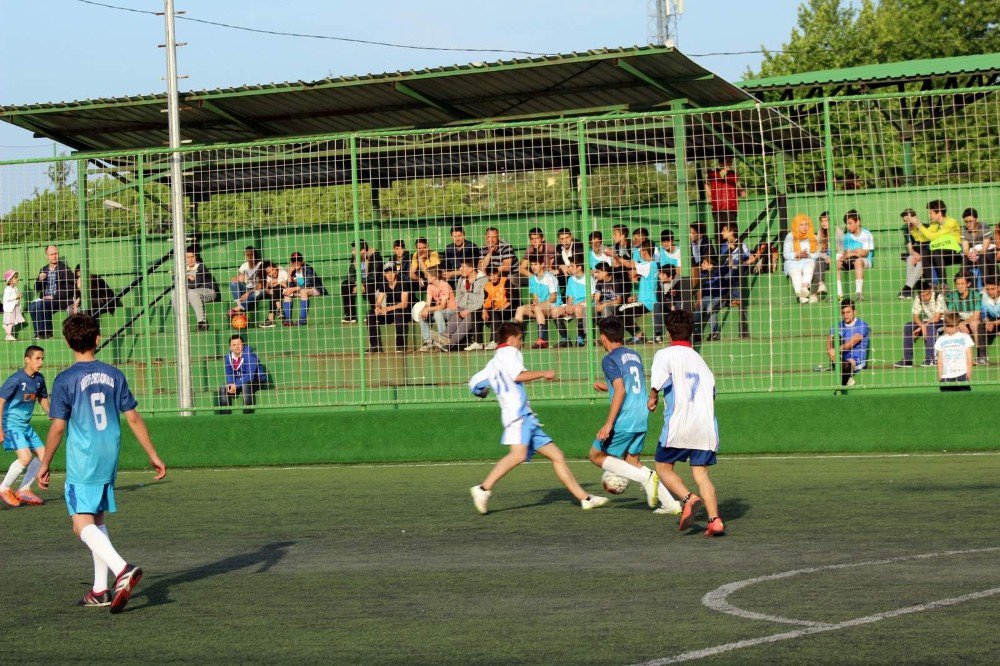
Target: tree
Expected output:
[832,33]
[58,173]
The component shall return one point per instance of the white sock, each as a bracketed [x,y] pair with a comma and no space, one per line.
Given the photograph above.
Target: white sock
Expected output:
[101,567]
[29,474]
[100,545]
[622,468]
[859,286]
[13,472]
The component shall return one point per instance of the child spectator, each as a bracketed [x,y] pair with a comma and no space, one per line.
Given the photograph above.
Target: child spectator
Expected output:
[712,296]
[858,253]
[967,302]
[544,293]
[851,338]
[823,261]
[496,305]
[469,298]
[644,302]
[423,259]
[916,247]
[392,302]
[607,297]
[954,355]
[303,283]
[506,375]
[575,306]
[801,251]
[599,252]
[12,316]
[275,283]
[944,235]
[690,431]
[701,247]
[978,243]
[244,376]
[201,287]
[366,264]
[734,258]
[675,293]
[989,314]
[247,286]
[670,254]
[926,315]
[440,304]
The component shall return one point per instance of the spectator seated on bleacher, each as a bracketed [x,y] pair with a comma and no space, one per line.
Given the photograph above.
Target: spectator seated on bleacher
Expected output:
[248,284]
[497,309]
[990,313]
[392,306]
[457,251]
[366,263]
[55,285]
[944,246]
[978,243]
[303,284]
[674,293]
[575,302]
[100,297]
[967,303]
[858,253]
[201,287]
[543,290]
[608,296]
[714,290]
[244,376]
[735,259]
[925,322]
[275,284]
[440,305]
[423,259]
[823,260]
[646,275]
[800,252]
[916,247]
[670,255]
[469,297]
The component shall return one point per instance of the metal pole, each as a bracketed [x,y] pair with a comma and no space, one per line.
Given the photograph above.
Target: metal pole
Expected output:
[81,198]
[356,259]
[184,385]
[832,235]
[587,224]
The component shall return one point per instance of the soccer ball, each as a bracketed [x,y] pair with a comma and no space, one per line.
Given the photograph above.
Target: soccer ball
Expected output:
[239,321]
[613,483]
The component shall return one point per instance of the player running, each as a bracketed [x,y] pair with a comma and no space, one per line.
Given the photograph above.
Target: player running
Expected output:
[18,396]
[690,431]
[620,440]
[523,434]
[90,396]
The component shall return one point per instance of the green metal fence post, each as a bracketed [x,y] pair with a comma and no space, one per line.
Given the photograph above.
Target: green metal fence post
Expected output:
[683,202]
[81,199]
[832,233]
[356,259]
[143,263]
[585,223]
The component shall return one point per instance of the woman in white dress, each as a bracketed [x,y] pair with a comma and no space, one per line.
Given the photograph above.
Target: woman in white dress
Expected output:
[801,251]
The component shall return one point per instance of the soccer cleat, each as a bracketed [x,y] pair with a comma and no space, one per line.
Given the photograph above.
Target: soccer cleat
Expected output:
[814,299]
[593,501]
[268,323]
[652,487]
[540,344]
[124,584]
[982,360]
[9,498]
[480,498]
[715,337]
[580,342]
[658,339]
[475,346]
[715,527]
[687,513]
[670,509]
[821,288]
[426,347]
[928,363]
[858,297]
[202,325]
[490,346]
[850,381]
[30,498]
[822,367]
[903,364]
[95,599]
[803,300]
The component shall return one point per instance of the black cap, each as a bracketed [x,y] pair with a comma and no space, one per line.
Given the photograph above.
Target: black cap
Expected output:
[362,243]
[296,256]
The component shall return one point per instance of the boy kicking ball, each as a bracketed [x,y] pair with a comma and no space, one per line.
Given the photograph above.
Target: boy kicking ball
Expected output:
[690,431]
[18,396]
[90,396]
[522,434]
[620,440]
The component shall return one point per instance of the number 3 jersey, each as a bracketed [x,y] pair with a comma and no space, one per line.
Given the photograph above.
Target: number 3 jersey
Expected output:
[688,388]
[91,396]
[500,375]
[625,364]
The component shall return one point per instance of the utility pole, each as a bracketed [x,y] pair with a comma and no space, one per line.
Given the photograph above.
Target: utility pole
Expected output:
[662,18]
[184,384]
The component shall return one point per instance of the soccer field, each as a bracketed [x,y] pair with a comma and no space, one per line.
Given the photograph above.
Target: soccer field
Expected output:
[391,564]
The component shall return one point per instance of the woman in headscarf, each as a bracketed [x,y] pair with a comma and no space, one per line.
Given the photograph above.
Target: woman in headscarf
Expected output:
[801,250]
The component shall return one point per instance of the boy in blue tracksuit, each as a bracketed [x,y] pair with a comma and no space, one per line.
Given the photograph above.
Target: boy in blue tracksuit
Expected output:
[716,289]
[244,376]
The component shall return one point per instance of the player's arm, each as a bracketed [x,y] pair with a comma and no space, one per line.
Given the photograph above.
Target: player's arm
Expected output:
[654,399]
[617,400]
[852,343]
[43,402]
[968,364]
[52,442]
[138,427]
[526,376]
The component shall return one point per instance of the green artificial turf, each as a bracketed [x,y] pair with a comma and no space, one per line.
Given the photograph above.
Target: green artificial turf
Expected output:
[391,564]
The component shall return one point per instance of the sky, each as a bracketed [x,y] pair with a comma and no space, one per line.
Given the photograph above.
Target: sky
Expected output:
[62,50]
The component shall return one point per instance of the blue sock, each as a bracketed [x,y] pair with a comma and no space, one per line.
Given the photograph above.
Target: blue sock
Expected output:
[543,331]
[286,308]
[303,310]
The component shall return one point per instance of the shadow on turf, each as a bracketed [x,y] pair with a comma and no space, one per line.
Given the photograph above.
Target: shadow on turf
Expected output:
[158,594]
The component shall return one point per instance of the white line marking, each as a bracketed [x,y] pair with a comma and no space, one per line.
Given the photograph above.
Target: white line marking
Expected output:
[798,633]
[716,600]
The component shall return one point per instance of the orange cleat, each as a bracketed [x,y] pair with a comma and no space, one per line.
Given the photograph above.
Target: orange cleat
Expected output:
[540,344]
[715,527]
[690,506]
[28,497]
[9,498]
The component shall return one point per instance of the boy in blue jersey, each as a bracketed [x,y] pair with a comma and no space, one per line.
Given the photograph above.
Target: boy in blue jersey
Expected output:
[506,376]
[853,335]
[90,396]
[18,396]
[575,306]
[620,440]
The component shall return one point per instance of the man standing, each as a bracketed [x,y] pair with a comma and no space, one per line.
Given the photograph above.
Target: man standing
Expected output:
[55,286]
[722,189]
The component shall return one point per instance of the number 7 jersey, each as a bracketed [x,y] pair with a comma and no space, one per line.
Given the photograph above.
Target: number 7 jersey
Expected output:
[91,396]
[687,385]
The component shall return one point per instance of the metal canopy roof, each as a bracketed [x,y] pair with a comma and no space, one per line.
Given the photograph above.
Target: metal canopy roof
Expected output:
[960,71]
[638,78]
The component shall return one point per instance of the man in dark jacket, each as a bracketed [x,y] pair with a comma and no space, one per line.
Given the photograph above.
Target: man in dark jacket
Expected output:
[55,286]
[201,287]
[101,298]
[369,263]
[244,375]
[302,284]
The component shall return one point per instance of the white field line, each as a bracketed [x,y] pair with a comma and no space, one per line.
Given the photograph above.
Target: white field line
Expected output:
[476,463]
[716,600]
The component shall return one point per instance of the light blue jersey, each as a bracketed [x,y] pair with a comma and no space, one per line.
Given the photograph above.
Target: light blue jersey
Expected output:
[649,281]
[626,364]
[91,396]
[544,286]
[20,393]
[576,288]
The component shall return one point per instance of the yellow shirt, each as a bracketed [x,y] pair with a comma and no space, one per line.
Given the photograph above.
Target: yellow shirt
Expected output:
[947,226]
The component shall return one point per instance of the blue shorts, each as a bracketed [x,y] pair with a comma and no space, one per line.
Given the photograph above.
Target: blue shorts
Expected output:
[860,360]
[14,440]
[698,457]
[90,498]
[527,431]
[621,444]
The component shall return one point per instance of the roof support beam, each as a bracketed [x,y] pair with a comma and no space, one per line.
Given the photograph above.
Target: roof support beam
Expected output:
[443,107]
[666,88]
[39,132]
[263,131]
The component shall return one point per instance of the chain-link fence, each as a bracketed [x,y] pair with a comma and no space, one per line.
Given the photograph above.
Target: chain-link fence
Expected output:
[756,218]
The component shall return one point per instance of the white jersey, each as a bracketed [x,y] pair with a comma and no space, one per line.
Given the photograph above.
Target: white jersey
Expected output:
[500,374]
[688,387]
[952,350]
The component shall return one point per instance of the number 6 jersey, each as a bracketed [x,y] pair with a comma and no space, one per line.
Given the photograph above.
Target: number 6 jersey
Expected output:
[688,388]
[91,396]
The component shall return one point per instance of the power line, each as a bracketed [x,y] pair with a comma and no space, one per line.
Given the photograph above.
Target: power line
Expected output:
[351,40]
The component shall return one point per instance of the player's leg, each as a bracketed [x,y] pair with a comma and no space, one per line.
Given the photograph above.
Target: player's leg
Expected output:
[35,452]
[671,480]
[668,503]
[517,454]
[707,490]
[846,371]
[20,463]
[558,459]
